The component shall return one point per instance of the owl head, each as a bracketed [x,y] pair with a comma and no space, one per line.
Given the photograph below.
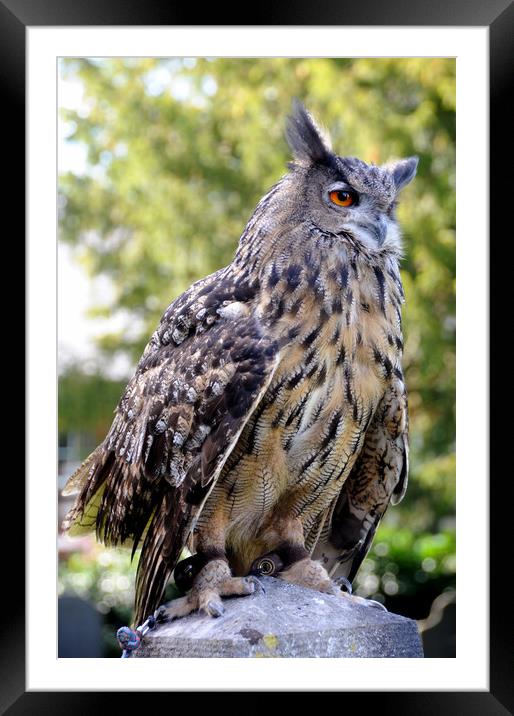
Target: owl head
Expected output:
[343,196]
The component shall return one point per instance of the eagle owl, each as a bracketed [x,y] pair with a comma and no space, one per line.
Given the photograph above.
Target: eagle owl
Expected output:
[265,427]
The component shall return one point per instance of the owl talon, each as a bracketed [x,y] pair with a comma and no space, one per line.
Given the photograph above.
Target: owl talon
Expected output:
[258,586]
[179,607]
[214,608]
[343,582]
[161,614]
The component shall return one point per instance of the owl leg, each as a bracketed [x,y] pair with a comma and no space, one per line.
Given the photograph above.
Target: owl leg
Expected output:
[213,582]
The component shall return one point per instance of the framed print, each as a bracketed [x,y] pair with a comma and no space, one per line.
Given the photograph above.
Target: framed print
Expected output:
[37,42]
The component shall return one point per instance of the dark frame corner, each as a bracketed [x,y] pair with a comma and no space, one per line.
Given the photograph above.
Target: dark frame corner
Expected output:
[498,15]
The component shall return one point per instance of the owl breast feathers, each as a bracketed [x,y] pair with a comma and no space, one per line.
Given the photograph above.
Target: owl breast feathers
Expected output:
[268,413]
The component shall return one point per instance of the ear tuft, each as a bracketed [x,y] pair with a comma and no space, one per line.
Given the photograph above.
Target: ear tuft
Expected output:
[404,172]
[305,139]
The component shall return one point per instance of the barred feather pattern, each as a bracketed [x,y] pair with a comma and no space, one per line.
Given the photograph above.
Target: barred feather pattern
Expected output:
[187,402]
[269,405]
[378,479]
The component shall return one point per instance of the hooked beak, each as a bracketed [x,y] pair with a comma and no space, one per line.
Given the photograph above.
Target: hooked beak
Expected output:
[376,232]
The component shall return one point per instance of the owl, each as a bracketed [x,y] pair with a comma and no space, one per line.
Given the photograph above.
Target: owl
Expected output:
[265,428]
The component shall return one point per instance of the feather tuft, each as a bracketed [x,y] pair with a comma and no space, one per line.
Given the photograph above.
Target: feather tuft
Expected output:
[306,140]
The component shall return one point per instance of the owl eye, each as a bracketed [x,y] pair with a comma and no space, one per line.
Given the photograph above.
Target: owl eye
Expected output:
[343,197]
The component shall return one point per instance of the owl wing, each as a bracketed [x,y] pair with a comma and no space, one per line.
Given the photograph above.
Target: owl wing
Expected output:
[378,478]
[198,381]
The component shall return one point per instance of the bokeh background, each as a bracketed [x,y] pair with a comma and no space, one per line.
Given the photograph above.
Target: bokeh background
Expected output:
[161,162]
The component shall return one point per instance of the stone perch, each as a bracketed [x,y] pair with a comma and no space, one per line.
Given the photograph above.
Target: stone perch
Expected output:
[288,621]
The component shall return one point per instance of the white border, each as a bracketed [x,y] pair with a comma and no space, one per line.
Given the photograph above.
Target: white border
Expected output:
[469,670]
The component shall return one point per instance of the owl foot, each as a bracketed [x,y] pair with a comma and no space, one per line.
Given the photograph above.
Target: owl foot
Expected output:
[344,584]
[343,588]
[212,583]
[312,574]
[308,573]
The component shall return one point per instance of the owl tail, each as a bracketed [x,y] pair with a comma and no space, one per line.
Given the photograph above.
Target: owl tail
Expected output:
[124,511]
[159,555]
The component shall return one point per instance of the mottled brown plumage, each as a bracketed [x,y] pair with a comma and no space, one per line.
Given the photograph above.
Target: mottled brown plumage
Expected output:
[268,412]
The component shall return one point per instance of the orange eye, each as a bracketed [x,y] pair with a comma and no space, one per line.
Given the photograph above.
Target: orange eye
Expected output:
[341,197]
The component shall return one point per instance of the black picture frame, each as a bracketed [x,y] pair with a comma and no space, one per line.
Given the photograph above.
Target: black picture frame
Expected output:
[498,16]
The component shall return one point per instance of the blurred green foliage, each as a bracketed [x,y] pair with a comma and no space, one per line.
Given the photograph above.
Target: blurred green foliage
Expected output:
[87,402]
[180,151]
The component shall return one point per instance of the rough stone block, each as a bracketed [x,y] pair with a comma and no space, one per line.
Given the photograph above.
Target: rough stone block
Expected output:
[287,621]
